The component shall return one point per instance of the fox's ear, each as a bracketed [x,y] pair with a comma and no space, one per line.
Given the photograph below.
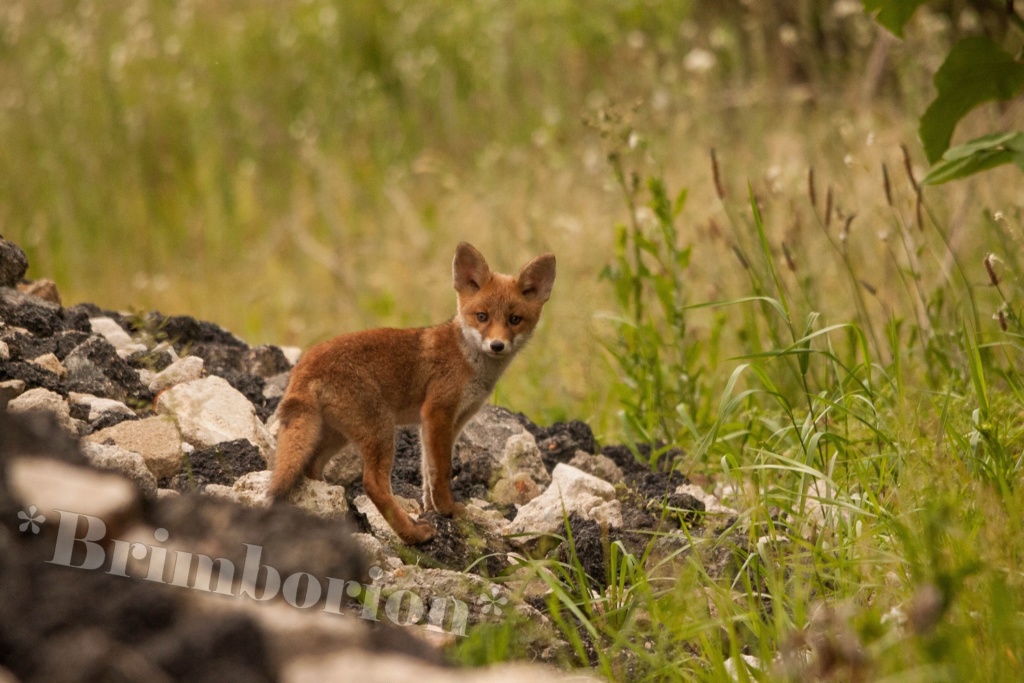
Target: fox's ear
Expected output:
[469,269]
[537,278]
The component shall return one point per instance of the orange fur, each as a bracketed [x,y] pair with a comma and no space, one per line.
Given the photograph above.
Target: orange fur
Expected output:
[357,388]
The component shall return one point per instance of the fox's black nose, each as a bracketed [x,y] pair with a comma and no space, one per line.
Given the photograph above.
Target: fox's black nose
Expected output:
[497,346]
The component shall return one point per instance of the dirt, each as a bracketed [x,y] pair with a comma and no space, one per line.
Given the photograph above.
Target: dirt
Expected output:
[559,441]
[67,624]
[221,464]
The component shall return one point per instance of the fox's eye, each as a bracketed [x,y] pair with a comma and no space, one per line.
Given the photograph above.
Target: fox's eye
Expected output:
[481,317]
[514,320]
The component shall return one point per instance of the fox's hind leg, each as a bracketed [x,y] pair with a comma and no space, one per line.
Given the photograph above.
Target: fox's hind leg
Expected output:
[330,443]
[378,457]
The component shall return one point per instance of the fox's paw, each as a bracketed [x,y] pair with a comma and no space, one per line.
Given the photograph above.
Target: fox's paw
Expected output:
[457,510]
[419,532]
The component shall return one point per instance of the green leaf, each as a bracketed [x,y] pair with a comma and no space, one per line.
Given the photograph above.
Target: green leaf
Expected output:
[976,70]
[978,155]
[892,14]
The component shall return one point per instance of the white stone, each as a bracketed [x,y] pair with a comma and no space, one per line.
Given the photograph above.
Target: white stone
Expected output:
[220,491]
[52,485]
[494,445]
[209,411]
[364,666]
[380,527]
[50,363]
[5,351]
[155,438]
[751,666]
[169,348]
[187,369]
[99,407]
[275,386]
[316,497]
[346,467]
[40,399]
[712,506]
[115,334]
[372,549]
[522,456]
[571,491]
[10,389]
[291,354]
[600,466]
[129,463]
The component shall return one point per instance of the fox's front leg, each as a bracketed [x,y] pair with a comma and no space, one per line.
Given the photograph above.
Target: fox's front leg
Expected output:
[438,436]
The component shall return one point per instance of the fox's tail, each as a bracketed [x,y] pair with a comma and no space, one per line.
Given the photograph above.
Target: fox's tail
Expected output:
[300,433]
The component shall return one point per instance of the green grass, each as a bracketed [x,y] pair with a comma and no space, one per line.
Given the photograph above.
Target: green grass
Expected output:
[841,355]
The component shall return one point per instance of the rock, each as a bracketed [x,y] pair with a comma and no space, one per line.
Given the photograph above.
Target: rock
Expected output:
[372,549]
[478,600]
[52,485]
[560,442]
[275,386]
[571,491]
[44,289]
[161,494]
[155,438]
[39,317]
[183,331]
[750,664]
[209,411]
[94,367]
[5,351]
[356,666]
[266,361]
[519,489]
[316,497]
[40,399]
[495,446]
[98,407]
[292,354]
[221,464]
[116,336]
[9,389]
[13,263]
[601,466]
[126,462]
[219,491]
[51,363]
[378,525]
[346,467]
[712,506]
[488,519]
[187,369]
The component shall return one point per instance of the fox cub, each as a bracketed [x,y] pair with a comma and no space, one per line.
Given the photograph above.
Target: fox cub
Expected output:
[358,387]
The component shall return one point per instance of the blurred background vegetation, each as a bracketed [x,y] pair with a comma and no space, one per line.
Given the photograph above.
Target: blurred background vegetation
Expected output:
[296,170]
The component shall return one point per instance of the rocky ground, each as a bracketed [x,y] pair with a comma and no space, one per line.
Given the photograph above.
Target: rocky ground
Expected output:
[163,429]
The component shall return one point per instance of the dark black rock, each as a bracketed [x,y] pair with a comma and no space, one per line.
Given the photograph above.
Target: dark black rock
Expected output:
[41,318]
[184,332]
[150,360]
[689,509]
[221,464]
[106,420]
[32,375]
[95,368]
[13,263]
[559,442]
[266,361]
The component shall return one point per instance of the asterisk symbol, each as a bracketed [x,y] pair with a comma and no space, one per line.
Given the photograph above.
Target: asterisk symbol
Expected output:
[492,603]
[32,519]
